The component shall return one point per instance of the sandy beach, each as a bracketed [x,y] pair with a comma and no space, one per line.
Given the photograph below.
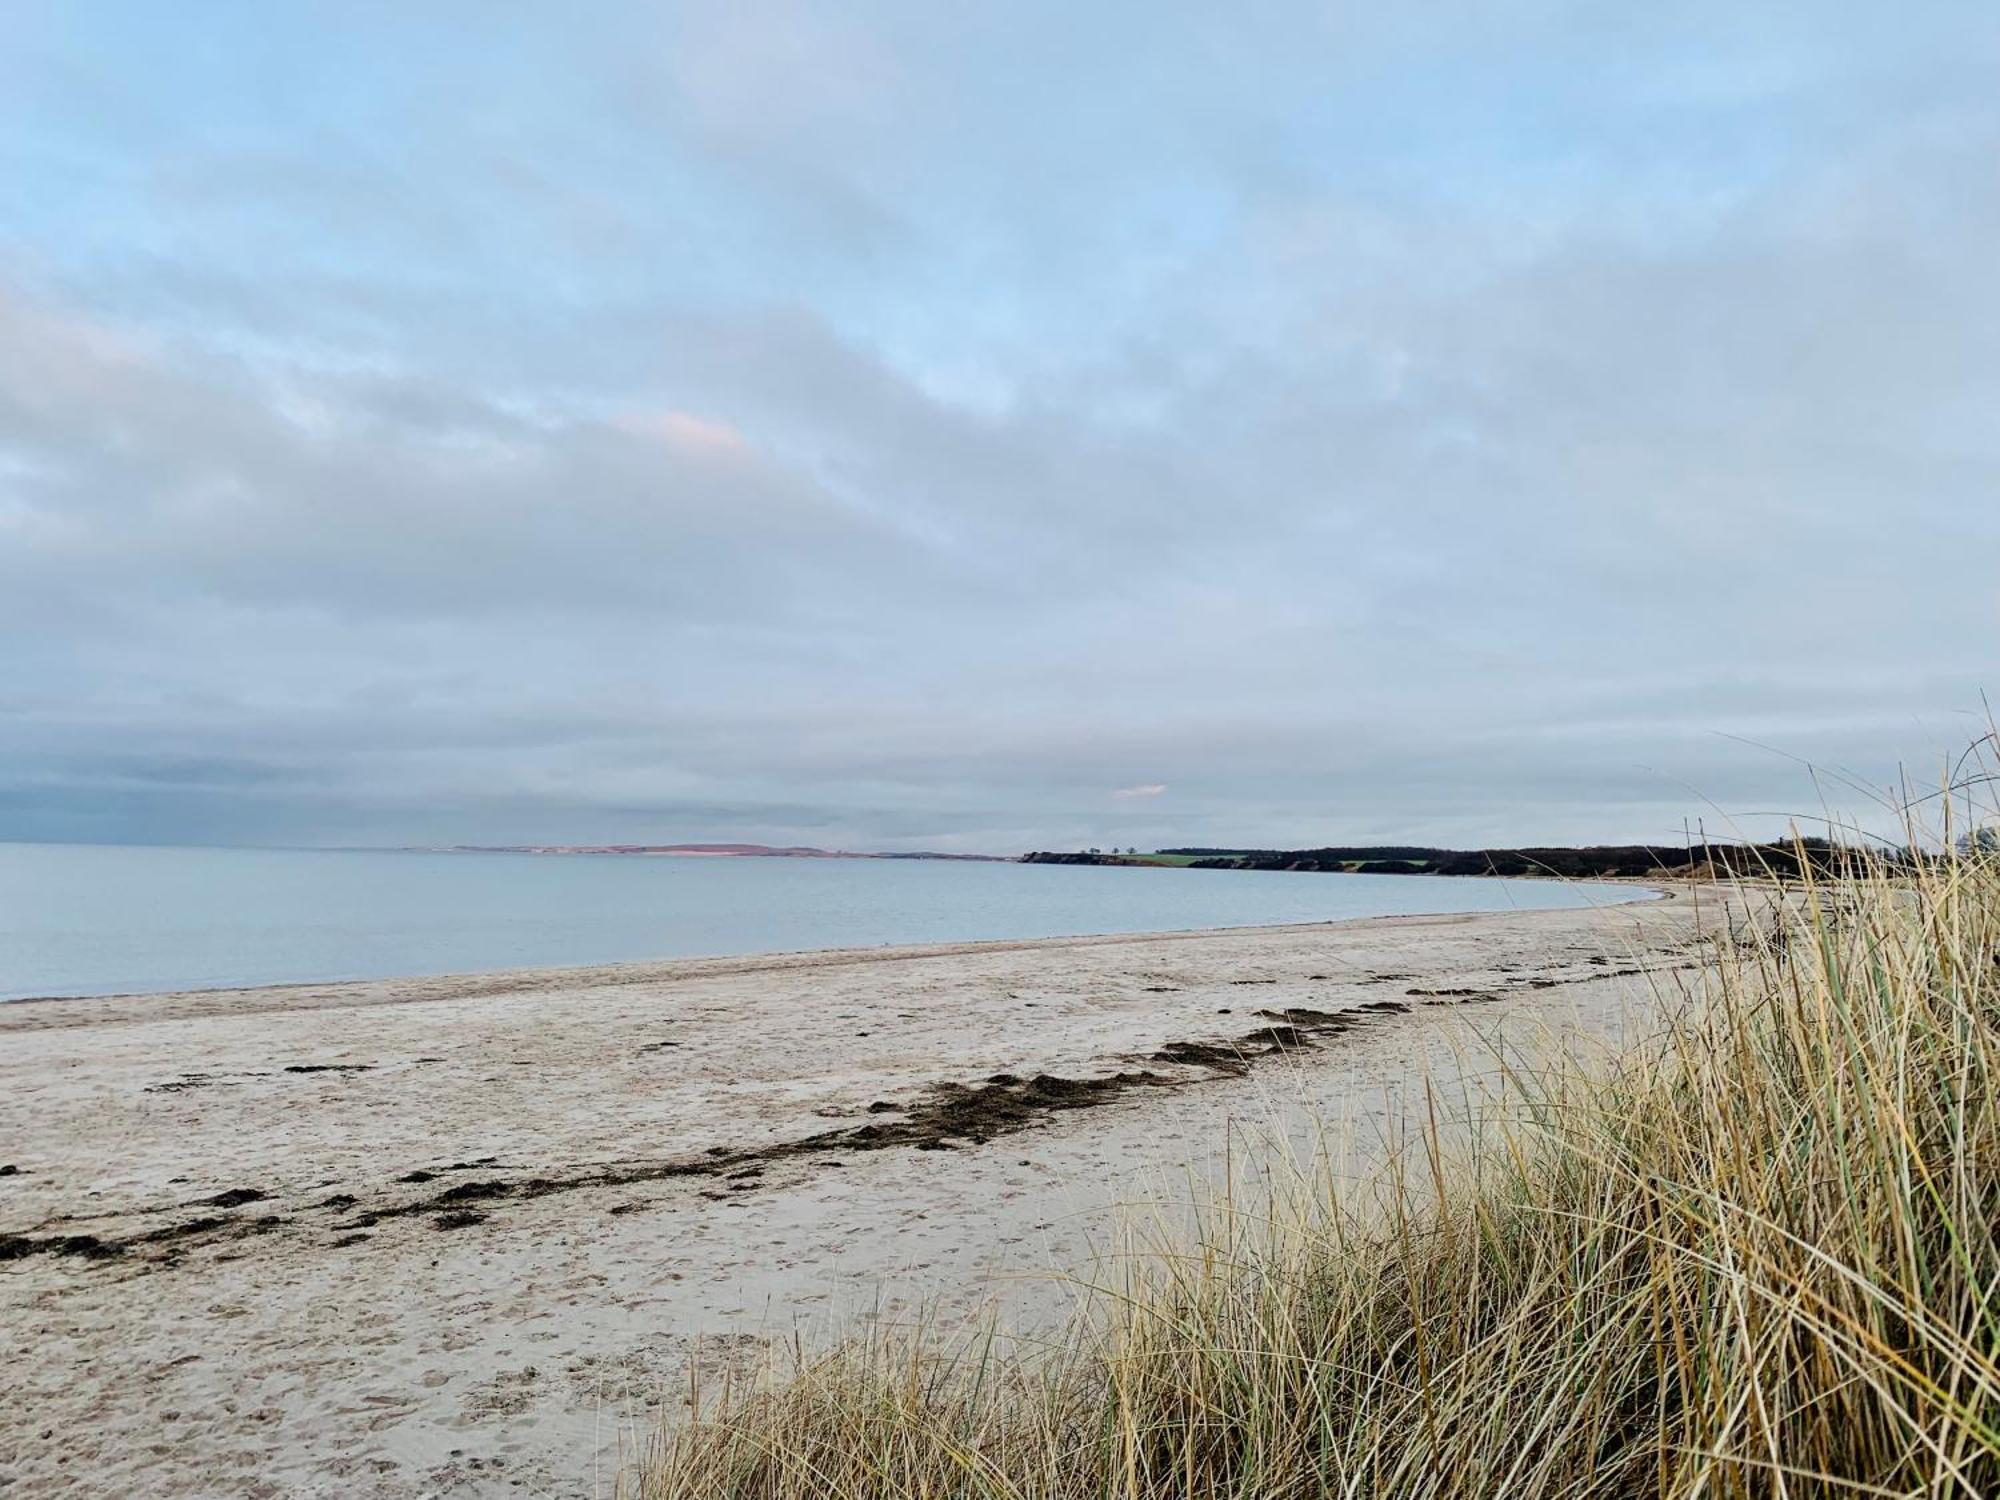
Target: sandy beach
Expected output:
[458,1237]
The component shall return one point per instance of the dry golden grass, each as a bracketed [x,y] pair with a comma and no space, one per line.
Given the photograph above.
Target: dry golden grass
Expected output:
[1758,1260]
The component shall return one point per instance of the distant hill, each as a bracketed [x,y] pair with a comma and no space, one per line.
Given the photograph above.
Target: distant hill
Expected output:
[708,851]
[1595,861]
[691,850]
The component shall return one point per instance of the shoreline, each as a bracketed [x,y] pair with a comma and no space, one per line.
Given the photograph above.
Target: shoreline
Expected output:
[472,1240]
[468,983]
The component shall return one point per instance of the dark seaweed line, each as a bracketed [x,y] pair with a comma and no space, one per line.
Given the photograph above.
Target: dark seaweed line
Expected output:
[949,1113]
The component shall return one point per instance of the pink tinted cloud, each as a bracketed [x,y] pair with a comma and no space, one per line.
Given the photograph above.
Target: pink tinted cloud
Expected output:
[688,433]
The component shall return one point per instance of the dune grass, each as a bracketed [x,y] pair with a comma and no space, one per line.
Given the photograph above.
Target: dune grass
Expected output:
[1757,1259]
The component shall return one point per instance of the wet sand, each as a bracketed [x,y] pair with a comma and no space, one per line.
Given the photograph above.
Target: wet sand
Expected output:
[458,1237]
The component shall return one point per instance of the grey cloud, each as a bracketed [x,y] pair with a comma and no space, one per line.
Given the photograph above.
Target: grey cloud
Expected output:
[761,443]
[135,473]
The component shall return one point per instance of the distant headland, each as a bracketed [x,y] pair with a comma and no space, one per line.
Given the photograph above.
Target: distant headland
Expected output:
[1638,861]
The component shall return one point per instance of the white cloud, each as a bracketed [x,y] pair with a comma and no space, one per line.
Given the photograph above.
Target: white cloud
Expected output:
[1132,793]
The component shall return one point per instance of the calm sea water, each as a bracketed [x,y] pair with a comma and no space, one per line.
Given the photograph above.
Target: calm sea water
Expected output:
[90,920]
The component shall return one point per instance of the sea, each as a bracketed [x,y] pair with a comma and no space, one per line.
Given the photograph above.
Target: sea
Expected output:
[97,919]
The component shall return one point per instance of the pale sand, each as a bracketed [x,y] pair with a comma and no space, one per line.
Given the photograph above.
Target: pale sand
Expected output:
[527,1353]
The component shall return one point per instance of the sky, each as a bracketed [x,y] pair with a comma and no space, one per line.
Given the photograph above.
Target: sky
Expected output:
[986,427]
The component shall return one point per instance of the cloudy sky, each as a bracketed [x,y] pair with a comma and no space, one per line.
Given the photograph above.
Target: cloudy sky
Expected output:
[989,426]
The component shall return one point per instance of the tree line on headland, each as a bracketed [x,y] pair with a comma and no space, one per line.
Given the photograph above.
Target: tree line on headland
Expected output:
[1787,858]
